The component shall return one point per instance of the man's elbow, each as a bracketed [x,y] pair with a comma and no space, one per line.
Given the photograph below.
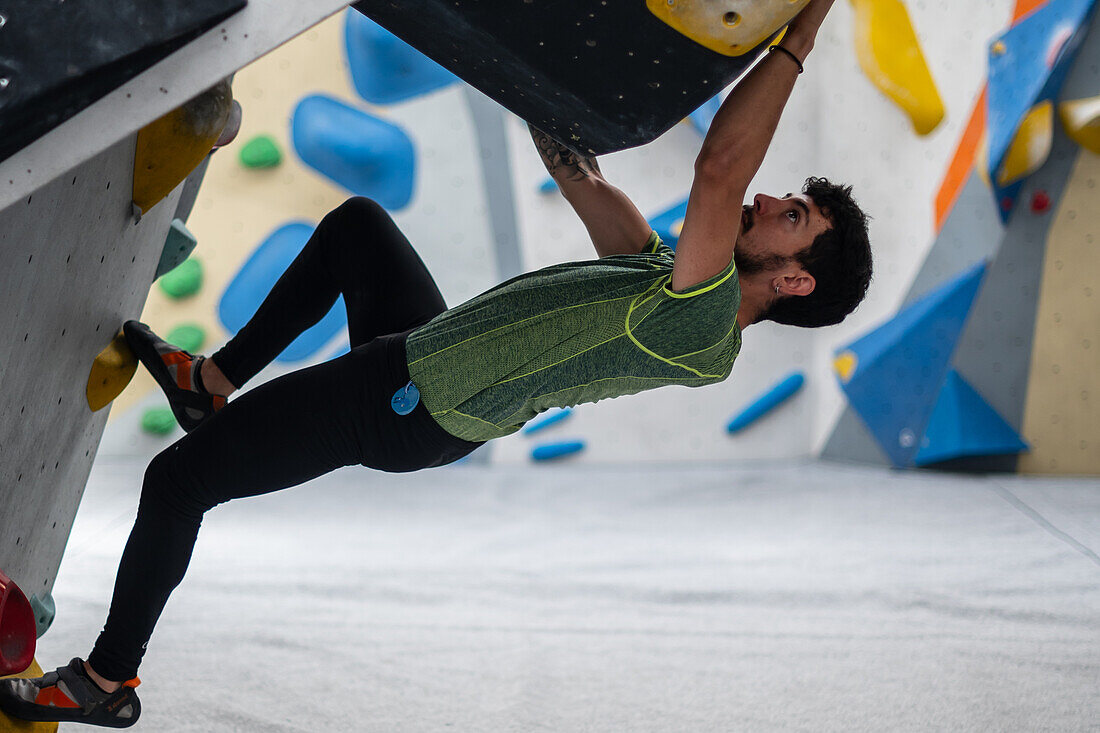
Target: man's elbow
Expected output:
[719,168]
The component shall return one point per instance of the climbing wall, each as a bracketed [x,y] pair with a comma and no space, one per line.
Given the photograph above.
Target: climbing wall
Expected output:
[86,215]
[1019,376]
[74,267]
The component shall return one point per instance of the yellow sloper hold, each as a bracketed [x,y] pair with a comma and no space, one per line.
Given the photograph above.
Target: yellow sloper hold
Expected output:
[1031,146]
[845,365]
[169,148]
[111,372]
[728,27]
[11,725]
[891,57]
[1081,118]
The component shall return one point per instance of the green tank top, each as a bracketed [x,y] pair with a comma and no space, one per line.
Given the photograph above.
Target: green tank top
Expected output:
[572,333]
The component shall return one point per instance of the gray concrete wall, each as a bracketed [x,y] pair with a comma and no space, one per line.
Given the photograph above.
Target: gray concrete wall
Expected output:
[73,267]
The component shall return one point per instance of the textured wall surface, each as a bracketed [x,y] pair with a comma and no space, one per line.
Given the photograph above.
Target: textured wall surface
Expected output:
[259,27]
[73,267]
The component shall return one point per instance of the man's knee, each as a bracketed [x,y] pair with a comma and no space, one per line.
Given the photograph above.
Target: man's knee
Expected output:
[359,211]
[166,489]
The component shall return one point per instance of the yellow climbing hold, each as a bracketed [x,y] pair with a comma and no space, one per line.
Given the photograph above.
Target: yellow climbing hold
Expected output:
[677,227]
[1031,146]
[891,57]
[23,726]
[1081,118]
[728,27]
[845,365]
[111,372]
[169,148]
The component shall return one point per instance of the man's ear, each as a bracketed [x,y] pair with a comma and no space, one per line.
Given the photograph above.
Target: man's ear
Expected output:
[802,283]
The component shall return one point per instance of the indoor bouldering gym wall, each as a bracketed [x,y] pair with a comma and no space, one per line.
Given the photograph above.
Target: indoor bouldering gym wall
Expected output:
[891,523]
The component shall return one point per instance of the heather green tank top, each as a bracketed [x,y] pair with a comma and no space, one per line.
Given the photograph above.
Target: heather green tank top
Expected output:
[572,333]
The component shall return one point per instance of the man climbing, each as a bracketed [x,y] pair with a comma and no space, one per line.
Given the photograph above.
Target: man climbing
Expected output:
[423,386]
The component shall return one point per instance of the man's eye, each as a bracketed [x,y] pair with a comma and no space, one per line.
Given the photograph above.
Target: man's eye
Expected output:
[793,215]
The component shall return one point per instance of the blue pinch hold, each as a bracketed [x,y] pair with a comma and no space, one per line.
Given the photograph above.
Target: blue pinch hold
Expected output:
[550,451]
[767,402]
[405,399]
[366,155]
[546,420]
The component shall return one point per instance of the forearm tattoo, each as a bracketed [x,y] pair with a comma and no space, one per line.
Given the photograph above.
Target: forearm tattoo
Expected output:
[561,161]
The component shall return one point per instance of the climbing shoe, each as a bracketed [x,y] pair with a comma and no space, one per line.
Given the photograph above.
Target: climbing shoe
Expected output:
[69,695]
[178,374]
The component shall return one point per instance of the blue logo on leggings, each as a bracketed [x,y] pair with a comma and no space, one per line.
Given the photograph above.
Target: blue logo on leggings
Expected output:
[405,399]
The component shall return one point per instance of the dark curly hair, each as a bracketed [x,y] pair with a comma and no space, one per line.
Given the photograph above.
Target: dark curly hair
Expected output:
[839,260]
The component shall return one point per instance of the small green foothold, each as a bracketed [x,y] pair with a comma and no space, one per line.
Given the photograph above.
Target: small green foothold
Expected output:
[184,280]
[158,420]
[178,246]
[187,336]
[261,152]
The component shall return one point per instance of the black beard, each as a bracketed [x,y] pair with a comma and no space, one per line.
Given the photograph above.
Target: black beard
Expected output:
[748,264]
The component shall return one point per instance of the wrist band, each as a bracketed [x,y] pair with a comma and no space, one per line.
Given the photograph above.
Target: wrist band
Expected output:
[777,47]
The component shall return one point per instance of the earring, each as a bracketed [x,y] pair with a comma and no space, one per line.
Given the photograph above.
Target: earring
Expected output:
[777,290]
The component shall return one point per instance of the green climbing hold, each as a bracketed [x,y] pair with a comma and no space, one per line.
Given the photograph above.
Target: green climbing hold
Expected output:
[184,280]
[187,336]
[158,420]
[261,152]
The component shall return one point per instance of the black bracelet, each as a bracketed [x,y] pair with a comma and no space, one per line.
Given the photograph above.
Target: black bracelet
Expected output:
[777,47]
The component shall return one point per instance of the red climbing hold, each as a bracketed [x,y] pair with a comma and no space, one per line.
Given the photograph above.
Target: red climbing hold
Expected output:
[17,632]
[1040,202]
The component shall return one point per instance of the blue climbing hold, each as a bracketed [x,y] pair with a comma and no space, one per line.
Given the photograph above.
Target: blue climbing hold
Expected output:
[548,186]
[669,222]
[545,420]
[893,374]
[765,403]
[550,451]
[964,425]
[249,287]
[384,68]
[366,155]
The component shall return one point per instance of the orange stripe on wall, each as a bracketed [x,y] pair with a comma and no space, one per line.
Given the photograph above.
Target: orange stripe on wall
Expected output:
[967,151]
[963,162]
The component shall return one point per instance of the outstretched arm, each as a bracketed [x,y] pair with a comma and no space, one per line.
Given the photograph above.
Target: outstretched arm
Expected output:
[613,221]
[733,150]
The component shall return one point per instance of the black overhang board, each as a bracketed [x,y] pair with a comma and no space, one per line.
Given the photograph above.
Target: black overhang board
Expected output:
[59,56]
[598,75]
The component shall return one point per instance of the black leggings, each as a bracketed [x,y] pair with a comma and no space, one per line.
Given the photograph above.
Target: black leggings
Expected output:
[293,428]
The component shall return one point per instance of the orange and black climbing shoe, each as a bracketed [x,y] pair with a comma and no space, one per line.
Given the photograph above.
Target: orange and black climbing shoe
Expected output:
[178,373]
[68,695]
